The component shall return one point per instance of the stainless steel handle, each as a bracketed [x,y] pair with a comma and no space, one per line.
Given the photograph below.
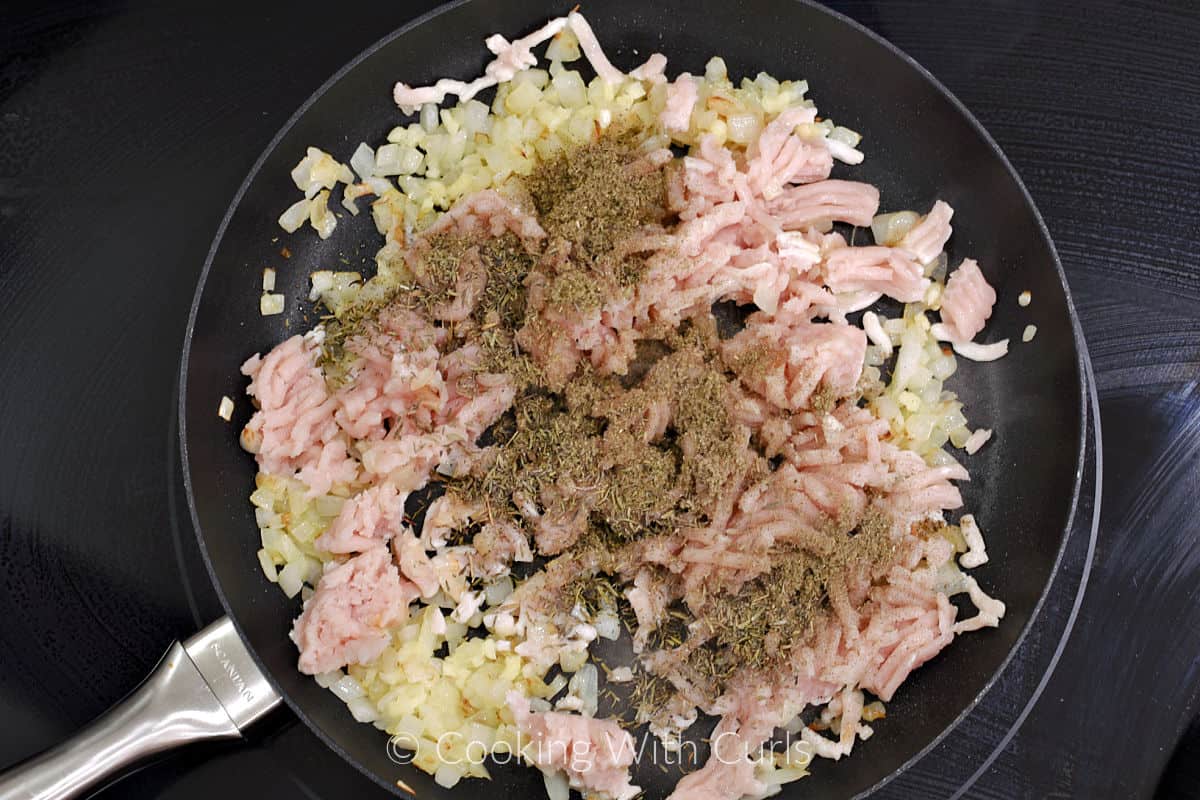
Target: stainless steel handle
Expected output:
[207,688]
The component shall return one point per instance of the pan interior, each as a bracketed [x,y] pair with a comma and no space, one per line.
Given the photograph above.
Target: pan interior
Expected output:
[920,146]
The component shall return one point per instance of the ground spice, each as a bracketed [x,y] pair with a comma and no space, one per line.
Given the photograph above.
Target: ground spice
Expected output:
[758,626]
[591,445]
[574,289]
[550,449]
[507,261]
[756,362]
[823,399]
[437,266]
[433,272]
[595,196]
[357,318]
[717,456]
[592,200]
[582,445]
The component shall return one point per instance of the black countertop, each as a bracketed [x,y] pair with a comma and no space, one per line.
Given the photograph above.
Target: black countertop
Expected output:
[125,129]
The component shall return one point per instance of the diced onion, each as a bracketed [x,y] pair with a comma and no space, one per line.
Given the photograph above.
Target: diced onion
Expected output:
[743,128]
[557,787]
[572,660]
[379,186]
[943,367]
[322,281]
[936,270]
[496,592]
[889,229]
[873,711]
[563,47]
[363,161]
[333,288]
[976,551]
[585,684]
[363,710]
[328,505]
[225,408]
[268,280]
[429,117]
[327,679]
[350,194]
[875,332]
[270,304]
[977,440]
[571,90]
[295,216]
[959,436]
[448,775]
[1029,332]
[715,69]
[982,352]
[319,170]
[910,357]
[291,577]
[844,152]
[347,688]
[608,625]
[522,99]
[319,215]
[620,675]
[940,458]
[556,684]
[268,566]
[395,159]
[845,136]
[933,296]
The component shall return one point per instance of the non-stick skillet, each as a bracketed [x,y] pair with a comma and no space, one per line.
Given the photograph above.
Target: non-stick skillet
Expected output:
[920,143]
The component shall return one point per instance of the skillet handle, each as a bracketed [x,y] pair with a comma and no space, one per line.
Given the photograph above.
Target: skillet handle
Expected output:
[207,688]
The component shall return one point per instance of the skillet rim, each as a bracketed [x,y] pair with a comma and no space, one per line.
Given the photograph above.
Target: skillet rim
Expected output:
[1078,343]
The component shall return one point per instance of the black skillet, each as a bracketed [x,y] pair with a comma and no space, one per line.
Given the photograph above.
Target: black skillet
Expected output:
[921,144]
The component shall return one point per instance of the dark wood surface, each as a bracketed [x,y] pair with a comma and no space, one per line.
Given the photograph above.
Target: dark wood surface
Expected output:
[125,129]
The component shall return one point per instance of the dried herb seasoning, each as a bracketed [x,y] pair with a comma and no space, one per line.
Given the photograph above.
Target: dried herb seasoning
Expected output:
[618,458]
[759,625]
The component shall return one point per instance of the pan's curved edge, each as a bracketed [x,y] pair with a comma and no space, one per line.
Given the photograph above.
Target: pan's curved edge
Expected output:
[1082,368]
[181,410]
[1094,527]
[1083,371]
